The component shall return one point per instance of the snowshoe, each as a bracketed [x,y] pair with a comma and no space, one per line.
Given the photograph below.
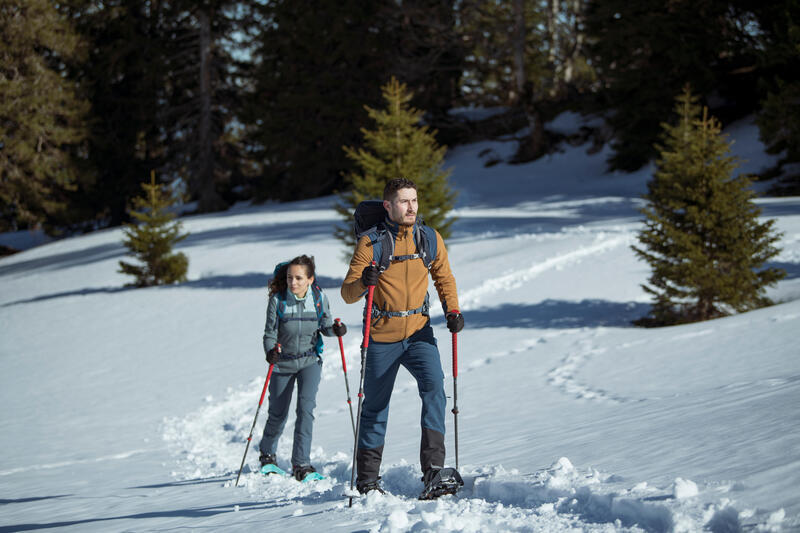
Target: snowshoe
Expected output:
[306,473]
[313,476]
[440,481]
[269,465]
[369,486]
[270,468]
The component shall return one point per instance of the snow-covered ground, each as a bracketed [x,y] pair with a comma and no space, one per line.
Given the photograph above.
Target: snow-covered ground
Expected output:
[128,410]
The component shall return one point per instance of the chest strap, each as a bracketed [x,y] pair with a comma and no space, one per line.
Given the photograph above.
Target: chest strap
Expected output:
[378,313]
[289,357]
[404,257]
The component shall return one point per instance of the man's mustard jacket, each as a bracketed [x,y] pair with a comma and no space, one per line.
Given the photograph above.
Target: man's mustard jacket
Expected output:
[402,286]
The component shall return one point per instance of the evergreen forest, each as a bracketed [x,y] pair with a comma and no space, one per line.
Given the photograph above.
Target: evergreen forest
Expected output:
[255,100]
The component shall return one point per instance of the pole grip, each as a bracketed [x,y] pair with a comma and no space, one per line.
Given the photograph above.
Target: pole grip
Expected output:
[370,292]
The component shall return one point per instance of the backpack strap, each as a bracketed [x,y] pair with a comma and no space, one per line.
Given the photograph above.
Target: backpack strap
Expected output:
[382,242]
[281,309]
[316,294]
[427,244]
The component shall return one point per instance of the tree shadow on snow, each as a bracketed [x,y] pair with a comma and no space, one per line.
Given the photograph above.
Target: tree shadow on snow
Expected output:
[199,512]
[249,280]
[196,481]
[33,499]
[84,256]
[65,294]
[291,230]
[555,314]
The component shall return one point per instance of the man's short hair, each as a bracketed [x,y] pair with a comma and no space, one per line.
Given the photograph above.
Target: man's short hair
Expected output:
[395,185]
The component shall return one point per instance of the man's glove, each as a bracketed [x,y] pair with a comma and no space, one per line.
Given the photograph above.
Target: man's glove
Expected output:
[370,275]
[455,321]
[339,329]
[274,354]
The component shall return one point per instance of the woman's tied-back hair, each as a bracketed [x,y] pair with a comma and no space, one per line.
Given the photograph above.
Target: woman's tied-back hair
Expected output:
[395,185]
[278,283]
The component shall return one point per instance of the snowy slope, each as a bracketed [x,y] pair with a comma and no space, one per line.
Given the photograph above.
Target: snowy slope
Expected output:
[128,410]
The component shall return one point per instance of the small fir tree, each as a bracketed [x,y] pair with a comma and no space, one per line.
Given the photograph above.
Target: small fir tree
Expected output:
[398,147]
[152,239]
[702,237]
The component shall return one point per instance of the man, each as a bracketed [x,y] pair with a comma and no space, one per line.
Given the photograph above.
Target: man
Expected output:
[401,334]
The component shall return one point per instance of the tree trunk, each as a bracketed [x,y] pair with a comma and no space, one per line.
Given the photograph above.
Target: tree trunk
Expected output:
[519,49]
[208,199]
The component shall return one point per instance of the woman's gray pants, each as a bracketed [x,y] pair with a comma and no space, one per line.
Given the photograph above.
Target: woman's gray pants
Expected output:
[281,387]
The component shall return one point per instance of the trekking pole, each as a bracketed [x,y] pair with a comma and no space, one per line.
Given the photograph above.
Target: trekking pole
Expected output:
[249,438]
[346,383]
[455,390]
[364,346]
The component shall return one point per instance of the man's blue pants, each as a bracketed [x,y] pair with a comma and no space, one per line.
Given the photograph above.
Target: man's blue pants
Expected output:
[419,354]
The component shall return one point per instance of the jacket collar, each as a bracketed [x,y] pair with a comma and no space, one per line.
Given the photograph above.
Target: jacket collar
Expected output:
[394,228]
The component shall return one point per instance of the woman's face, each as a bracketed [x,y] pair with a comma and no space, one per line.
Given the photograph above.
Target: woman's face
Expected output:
[298,281]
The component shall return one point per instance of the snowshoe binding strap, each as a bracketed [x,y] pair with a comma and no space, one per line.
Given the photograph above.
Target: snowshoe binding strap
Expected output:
[443,481]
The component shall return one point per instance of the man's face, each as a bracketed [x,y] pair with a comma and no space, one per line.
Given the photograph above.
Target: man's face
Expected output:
[403,208]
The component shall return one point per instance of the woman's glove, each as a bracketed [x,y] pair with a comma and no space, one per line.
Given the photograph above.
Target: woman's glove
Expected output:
[339,329]
[274,354]
[455,321]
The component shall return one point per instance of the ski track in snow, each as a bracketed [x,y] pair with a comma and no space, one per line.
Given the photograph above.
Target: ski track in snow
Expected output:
[559,498]
[471,298]
[62,464]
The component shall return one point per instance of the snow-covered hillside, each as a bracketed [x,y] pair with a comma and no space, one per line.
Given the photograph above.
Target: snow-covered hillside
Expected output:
[128,410]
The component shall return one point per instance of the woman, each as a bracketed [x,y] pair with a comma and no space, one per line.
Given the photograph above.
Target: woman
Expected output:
[297,314]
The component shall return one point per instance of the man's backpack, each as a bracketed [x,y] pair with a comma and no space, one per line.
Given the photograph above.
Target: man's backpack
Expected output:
[316,293]
[369,219]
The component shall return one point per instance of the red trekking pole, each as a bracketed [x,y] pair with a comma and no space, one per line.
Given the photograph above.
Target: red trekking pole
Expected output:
[364,346]
[249,438]
[455,390]
[346,382]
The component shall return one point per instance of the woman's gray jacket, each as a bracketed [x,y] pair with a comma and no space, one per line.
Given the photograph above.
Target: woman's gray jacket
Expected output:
[297,330]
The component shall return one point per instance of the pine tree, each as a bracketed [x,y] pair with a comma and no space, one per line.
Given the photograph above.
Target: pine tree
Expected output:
[702,237]
[42,114]
[315,66]
[204,96]
[123,76]
[645,51]
[398,147]
[151,240]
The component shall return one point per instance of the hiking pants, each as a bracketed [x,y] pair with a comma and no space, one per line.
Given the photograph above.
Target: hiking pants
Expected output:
[419,354]
[281,387]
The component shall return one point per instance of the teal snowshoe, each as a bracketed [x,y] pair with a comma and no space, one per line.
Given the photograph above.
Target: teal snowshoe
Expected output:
[270,468]
[306,473]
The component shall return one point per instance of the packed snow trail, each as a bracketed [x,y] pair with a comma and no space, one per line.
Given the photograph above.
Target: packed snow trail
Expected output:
[558,498]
